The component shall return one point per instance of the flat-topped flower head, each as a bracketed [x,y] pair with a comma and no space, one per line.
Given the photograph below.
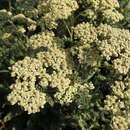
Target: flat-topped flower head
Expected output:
[53,10]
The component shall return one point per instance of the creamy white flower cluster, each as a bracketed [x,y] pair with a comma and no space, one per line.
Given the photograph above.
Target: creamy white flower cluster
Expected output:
[51,67]
[53,10]
[29,71]
[112,16]
[86,34]
[46,12]
[122,64]
[24,92]
[94,43]
[103,3]
[115,43]
[107,8]
[118,104]
[78,92]
[83,97]
[120,123]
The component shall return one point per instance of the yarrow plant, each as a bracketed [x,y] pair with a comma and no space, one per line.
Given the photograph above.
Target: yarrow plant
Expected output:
[77,56]
[50,68]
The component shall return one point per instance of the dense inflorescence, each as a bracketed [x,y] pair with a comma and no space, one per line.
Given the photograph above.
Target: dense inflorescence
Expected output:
[86,52]
[53,10]
[118,104]
[103,42]
[49,68]
[90,58]
[105,9]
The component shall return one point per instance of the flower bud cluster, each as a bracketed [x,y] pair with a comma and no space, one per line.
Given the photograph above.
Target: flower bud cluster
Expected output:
[120,123]
[103,3]
[86,35]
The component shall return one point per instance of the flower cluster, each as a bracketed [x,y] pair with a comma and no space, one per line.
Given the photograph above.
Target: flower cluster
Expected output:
[86,35]
[104,41]
[50,67]
[103,3]
[107,8]
[71,70]
[118,104]
[24,92]
[86,32]
[114,41]
[120,123]
[26,96]
[122,64]
[112,16]
[53,10]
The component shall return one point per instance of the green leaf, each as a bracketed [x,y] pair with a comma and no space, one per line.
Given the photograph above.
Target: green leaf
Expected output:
[82,123]
[8,117]
[105,120]
[90,76]
[4,71]
[14,113]
[101,77]
[12,62]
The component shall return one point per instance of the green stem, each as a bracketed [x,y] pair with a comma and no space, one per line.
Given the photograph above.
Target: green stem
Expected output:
[70,32]
[10,8]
